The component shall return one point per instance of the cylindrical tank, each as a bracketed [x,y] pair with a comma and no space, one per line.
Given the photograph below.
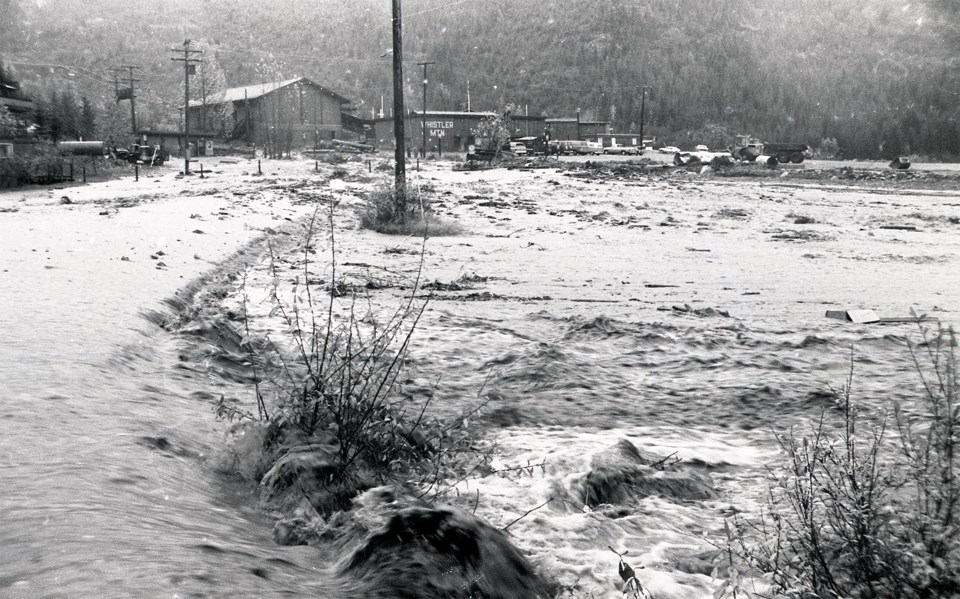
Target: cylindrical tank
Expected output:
[770,161]
[82,148]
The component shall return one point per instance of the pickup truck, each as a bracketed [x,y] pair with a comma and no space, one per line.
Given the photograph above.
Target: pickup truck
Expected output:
[621,150]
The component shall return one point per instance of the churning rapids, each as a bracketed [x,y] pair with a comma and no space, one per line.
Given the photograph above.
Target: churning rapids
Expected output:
[108,442]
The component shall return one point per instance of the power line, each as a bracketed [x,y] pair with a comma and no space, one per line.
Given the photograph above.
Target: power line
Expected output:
[82,71]
[425,11]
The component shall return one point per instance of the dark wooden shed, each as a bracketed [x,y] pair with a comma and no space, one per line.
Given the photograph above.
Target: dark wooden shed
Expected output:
[291,114]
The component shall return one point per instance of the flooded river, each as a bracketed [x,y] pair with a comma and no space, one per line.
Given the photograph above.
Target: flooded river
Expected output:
[108,441]
[104,486]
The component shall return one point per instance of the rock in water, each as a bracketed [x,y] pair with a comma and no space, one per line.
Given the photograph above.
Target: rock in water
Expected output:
[622,474]
[441,553]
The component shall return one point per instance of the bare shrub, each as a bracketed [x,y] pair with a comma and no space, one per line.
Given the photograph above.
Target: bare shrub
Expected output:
[384,213]
[828,149]
[336,423]
[859,514]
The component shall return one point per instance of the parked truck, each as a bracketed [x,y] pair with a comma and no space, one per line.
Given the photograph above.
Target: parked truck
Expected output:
[748,148]
[142,154]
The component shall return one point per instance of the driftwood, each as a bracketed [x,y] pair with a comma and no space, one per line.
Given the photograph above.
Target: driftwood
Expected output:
[352,146]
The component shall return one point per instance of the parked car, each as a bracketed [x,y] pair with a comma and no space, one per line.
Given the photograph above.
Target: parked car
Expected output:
[634,150]
[515,147]
[701,148]
[534,145]
[592,147]
[669,150]
[573,146]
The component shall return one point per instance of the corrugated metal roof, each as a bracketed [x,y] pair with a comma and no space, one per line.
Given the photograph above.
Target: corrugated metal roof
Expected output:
[249,92]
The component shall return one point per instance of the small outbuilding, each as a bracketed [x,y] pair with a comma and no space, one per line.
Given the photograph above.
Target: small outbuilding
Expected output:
[572,128]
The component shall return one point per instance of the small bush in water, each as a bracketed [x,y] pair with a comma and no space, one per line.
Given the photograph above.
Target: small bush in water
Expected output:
[384,213]
[859,514]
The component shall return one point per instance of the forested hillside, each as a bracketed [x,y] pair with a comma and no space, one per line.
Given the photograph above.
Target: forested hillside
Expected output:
[882,77]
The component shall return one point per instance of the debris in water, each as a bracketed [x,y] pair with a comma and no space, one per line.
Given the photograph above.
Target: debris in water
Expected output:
[857,316]
[902,163]
[687,309]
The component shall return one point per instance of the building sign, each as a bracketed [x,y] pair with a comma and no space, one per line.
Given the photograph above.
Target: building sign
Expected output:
[438,128]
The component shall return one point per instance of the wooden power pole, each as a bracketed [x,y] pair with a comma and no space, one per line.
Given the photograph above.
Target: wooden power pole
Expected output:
[129,93]
[189,67]
[643,109]
[400,172]
[423,115]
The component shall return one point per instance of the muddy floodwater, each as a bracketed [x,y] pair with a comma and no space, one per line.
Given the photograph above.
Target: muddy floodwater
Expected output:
[683,312]
[92,392]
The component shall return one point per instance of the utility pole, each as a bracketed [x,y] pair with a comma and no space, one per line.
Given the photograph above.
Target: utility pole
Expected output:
[423,115]
[129,93]
[400,172]
[133,96]
[468,95]
[189,67]
[643,107]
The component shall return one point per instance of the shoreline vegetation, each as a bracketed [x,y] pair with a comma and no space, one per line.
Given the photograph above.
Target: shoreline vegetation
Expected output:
[350,456]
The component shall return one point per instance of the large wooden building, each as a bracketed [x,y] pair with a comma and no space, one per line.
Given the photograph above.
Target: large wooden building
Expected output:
[292,114]
[451,130]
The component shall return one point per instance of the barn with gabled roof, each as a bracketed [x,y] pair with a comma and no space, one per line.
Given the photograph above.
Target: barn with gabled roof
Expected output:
[292,114]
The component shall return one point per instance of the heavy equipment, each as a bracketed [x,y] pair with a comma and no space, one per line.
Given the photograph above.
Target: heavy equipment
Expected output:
[748,148]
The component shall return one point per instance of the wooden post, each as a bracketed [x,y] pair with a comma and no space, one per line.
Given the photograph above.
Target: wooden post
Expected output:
[400,170]
[83,169]
[201,170]
[643,107]
[186,108]
[188,62]
[136,172]
[259,172]
[423,115]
